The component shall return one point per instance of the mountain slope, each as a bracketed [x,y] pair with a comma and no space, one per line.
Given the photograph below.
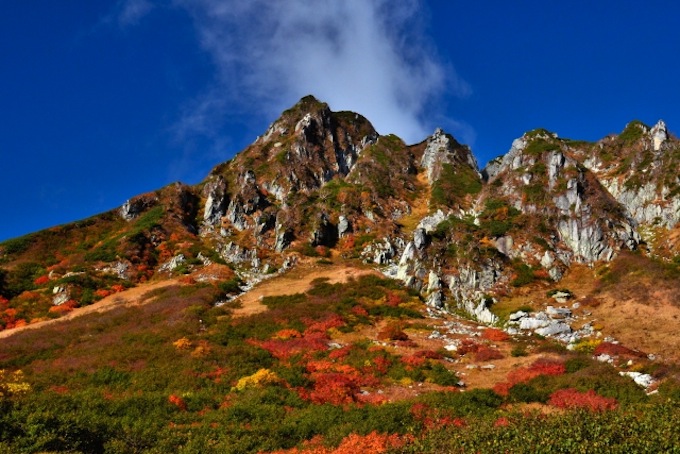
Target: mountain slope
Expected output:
[249,313]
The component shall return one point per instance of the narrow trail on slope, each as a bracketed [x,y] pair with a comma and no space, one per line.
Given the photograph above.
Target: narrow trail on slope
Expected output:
[129,297]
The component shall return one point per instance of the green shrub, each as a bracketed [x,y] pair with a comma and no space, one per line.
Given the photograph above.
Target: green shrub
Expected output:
[454,184]
[525,392]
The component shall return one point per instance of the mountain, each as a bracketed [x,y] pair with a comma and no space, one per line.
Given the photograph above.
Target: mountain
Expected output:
[281,253]
[318,180]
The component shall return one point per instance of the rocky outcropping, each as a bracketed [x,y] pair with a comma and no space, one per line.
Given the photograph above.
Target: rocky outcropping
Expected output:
[442,149]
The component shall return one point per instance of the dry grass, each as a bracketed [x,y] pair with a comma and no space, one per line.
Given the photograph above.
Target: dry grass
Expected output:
[298,280]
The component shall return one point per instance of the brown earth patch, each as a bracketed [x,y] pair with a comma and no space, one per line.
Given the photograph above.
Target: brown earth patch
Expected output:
[298,280]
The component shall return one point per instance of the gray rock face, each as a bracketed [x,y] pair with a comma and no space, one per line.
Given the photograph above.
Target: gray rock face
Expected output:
[554,329]
[430,223]
[659,135]
[558,312]
[134,207]
[61,295]
[343,226]
[283,238]
[216,201]
[572,197]
[504,245]
[173,263]
[233,253]
[645,204]
[420,238]
[441,149]
[380,253]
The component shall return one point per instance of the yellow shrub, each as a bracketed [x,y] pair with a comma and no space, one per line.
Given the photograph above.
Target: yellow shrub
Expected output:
[182,343]
[260,378]
[587,345]
[12,384]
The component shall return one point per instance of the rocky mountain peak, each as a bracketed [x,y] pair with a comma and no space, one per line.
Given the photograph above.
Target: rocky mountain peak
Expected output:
[659,134]
[441,149]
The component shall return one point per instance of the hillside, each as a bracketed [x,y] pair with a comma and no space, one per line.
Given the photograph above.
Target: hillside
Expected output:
[331,289]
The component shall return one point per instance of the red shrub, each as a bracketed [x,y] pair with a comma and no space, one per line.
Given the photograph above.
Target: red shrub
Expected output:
[501,422]
[359,311]
[373,443]
[117,288]
[434,418]
[334,388]
[392,299]
[340,353]
[413,362]
[548,367]
[467,346]
[42,280]
[524,374]
[287,334]
[429,354]
[321,326]
[283,349]
[485,353]
[590,400]
[393,331]
[381,364]
[502,388]
[495,335]
[177,401]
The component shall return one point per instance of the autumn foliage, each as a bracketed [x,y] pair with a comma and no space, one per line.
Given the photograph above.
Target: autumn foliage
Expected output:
[177,401]
[572,398]
[495,335]
[524,374]
[373,443]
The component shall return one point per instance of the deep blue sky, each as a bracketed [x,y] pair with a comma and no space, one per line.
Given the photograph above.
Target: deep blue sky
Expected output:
[103,100]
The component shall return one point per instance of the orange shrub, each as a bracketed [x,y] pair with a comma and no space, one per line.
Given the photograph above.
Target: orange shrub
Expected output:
[287,334]
[495,335]
[177,402]
[373,443]
[68,306]
[102,292]
[393,332]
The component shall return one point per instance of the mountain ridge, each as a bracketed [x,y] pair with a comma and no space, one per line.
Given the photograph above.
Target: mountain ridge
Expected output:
[319,180]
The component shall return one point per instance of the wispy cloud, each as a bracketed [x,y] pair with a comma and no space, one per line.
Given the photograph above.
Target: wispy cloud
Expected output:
[369,56]
[130,12]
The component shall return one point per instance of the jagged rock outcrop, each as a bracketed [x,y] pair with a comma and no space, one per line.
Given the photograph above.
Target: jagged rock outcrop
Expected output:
[537,177]
[216,200]
[639,168]
[443,149]
[137,205]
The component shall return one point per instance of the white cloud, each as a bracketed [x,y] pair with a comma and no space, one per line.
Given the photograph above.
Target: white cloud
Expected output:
[369,56]
[130,12]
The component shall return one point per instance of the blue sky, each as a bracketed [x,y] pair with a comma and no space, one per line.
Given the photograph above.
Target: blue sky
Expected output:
[104,100]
